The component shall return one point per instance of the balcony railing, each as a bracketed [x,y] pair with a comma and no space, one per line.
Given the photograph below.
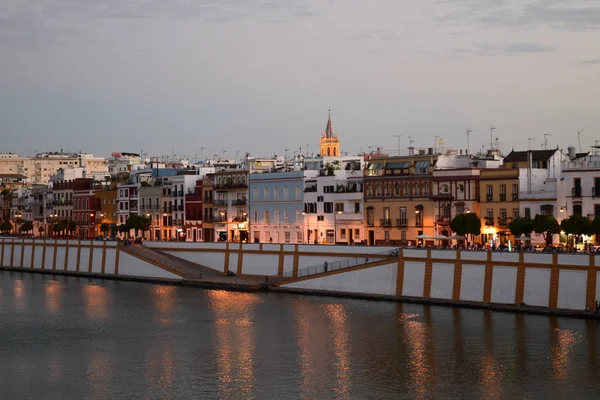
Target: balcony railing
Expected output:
[401,222]
[385,222]
[220,202]
[240,219]
[489,197]
[515,196]
[489,220]
[180,208]
[208,201]
[442,218]
[240,202]
[310,189]
[231,186]
[576,192]
[220,218]
[502,221]
[347,189]
[502,196]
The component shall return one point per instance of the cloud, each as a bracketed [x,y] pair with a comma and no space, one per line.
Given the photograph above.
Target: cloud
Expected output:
[524,47]
[489,49]
[567,14]
[591,62]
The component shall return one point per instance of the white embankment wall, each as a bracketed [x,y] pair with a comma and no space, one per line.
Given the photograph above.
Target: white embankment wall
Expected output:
[74,256]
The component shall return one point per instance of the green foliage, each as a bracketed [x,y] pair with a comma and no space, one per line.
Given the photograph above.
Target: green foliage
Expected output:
[521,226]
[138,223]
[466,224]
[5,192]
[576,225]
[71,226]
[41,229]
[26,226]
[6,226]
[59,226]
[595,226]
[104,228]
[546,225]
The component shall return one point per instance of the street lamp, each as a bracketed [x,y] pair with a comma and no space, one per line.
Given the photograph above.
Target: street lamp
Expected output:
[335,226]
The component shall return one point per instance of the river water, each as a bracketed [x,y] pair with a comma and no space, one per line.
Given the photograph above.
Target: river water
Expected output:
[78,338]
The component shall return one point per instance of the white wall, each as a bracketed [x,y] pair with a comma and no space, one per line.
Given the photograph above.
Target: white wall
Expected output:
[211,260]
[376,280]
[504,285]
[572,289]
[442,281]
[132,266]
[414,279]
[537,287]
[472,282]
[473,255]
[260,264]
[573,259]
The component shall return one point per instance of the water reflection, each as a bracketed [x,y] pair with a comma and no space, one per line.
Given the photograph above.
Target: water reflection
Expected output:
[340,336]
[163,298]
[52,296]
[19,294]
[421,363]
[96,301]
[563,341]
[235,345]
[491,373]
[98,374]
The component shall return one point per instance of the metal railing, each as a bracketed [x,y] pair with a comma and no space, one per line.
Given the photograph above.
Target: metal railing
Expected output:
[342,264]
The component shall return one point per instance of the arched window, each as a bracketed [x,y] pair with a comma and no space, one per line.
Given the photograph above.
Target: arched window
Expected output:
[378,190]
[397,189]
[387,189]
[369,190]
[406,190]
[425,189]
[417,190]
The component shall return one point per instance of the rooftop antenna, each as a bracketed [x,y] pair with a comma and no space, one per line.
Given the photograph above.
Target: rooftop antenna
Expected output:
[529,142]
[398,137]
[410,141]
[579,138]
[201,151]
[497,144]
[469,131]
[492,129]
[546,140]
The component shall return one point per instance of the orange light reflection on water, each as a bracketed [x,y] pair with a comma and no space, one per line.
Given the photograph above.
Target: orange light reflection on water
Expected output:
[163,298]
[563,342]
[234,333]
[96,301]
[52,296]
[340,335]
[420,371]
[19,294]
[491,378]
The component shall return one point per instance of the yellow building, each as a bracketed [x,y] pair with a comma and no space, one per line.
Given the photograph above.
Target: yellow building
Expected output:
[330,141]
[106,209]
[499,203]
[397,197]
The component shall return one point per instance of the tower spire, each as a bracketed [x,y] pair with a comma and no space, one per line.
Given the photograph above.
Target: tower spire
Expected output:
[330,143]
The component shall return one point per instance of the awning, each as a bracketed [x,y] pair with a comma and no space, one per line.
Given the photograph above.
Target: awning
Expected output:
[397,165]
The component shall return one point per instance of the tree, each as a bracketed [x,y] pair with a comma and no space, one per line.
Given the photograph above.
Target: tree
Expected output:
[104,228]
[546,225]
[466,224]
[521,226]
[5,192]
[59,227]
[26,226]
[6,226]
[576,225]
[138,223]
[41,230]
[124,228]
[595,226]
[71,227]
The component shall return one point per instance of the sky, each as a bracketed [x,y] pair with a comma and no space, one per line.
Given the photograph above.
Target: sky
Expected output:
[204,77]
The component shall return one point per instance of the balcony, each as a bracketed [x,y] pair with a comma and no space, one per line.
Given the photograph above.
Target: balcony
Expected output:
[208,201]
[595,192]
[489,197]
[349,217]
[515,196]
[167,210]
[489,221]
[502,221]
[231,186]
[220,202]
[354,188]
[220,218]
[385,222]
[576,192]
[401,222]
[240,219]
[502,196]
[442,219]
[240,202]
[180,208]
[370,222]
[309,189]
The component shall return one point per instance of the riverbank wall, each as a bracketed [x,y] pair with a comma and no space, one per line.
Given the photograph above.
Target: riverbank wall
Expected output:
[536,282]
[74,257]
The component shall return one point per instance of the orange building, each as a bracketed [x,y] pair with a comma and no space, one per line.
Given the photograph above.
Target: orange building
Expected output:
[106,210]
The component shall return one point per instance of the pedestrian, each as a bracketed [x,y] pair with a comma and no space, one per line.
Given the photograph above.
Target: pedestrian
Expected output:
[366,258]
[325,266]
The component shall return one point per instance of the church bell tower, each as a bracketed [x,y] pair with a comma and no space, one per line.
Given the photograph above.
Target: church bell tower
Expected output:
[330,141]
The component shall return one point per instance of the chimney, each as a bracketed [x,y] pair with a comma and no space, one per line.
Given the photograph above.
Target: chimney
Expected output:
[411,151]
[430,151]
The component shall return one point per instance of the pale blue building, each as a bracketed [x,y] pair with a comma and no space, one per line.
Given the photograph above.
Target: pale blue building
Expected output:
[276,203]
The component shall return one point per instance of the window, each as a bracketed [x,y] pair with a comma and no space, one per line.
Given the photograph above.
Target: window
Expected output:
[489,190]
[425,189]
[287,236]
[515,191]
[503,214]
[339,207]
[387,190]
[379,189]
[285,216]
[419,217]
[596,210]
[576,188]
[515,213]
[527,212]
[343,233]
[369,190]
[328,189]
[266,194]
[275,193]
[397,187]
[502,192]
[444,189]
[547,209]
[406,190]
[417,190]
[357,234]
[460,210]
[298,237]
[357,207]
[402,220]
[490,214]
[255,219]
[254,194]
[268,237]
[386,235]
[276,217]
[403,236]
[596,188]
[297,197]
[298,215]
[328,207]
[577,209]
[266,217]
[370,216]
